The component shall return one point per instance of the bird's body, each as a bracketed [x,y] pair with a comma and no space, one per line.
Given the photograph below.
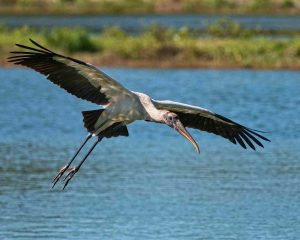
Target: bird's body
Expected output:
[137,106]
[122,106]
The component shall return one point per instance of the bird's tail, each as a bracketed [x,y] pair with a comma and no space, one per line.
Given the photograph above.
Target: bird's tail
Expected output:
[90,118]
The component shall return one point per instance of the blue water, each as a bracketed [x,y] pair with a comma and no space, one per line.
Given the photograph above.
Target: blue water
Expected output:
[137,23]
[152,185]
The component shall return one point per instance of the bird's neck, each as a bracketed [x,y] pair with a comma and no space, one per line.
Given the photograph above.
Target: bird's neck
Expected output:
[157,115]
[152,113]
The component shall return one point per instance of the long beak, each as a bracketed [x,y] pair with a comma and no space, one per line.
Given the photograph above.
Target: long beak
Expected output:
[181,129]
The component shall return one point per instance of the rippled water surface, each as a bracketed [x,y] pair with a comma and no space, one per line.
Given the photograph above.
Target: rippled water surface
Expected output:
[152,185]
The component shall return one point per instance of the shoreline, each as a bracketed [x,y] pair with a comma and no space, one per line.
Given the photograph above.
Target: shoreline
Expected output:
[167,64]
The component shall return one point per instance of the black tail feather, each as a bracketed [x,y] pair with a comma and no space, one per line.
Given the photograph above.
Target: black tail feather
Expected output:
[90,118]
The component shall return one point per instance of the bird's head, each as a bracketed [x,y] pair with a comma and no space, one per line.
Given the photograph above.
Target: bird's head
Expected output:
[172,120]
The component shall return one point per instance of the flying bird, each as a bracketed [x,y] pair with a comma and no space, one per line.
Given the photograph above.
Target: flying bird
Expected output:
[122,106]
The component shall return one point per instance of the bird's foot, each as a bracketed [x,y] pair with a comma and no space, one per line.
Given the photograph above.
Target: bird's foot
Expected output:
[59,175]
[70,176]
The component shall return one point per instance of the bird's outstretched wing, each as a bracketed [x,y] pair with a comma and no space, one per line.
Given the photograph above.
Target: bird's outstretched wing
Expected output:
[76,77]
[205,120]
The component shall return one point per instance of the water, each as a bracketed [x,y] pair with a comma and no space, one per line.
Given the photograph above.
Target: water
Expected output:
[152,185]
[137,23]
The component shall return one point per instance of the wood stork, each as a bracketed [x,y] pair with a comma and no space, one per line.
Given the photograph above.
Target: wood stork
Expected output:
[121,106]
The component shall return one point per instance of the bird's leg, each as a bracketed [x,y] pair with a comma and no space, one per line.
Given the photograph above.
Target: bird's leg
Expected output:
[65,168]
[75,169]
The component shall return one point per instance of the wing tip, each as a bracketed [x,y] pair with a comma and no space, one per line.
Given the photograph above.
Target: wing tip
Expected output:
[251,135]
[40,48]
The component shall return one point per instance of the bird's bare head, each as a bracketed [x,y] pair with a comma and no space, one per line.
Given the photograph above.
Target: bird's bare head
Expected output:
[173,121]
[170,118]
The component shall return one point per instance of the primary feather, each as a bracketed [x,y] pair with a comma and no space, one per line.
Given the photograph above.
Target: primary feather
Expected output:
[76,77]
[205,120]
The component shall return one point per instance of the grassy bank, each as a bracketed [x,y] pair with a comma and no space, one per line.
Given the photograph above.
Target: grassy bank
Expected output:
[221,47]
[88,7]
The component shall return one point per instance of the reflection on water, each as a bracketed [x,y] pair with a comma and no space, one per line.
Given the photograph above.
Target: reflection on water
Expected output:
[152,185]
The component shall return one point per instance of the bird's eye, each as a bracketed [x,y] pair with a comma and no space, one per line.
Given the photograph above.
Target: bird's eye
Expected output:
[170,118]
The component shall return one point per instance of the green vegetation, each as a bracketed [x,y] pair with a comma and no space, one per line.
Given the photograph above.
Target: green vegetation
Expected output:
[76,7]
[84,7]
[223,44]
[225,27]
[288,4]
[71,40]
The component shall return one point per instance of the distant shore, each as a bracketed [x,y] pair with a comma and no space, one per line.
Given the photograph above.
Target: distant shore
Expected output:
[141,7]
[171,64]
[224,44]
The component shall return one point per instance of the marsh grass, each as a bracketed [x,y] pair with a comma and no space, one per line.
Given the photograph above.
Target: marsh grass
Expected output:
[225,44]
[71,40]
